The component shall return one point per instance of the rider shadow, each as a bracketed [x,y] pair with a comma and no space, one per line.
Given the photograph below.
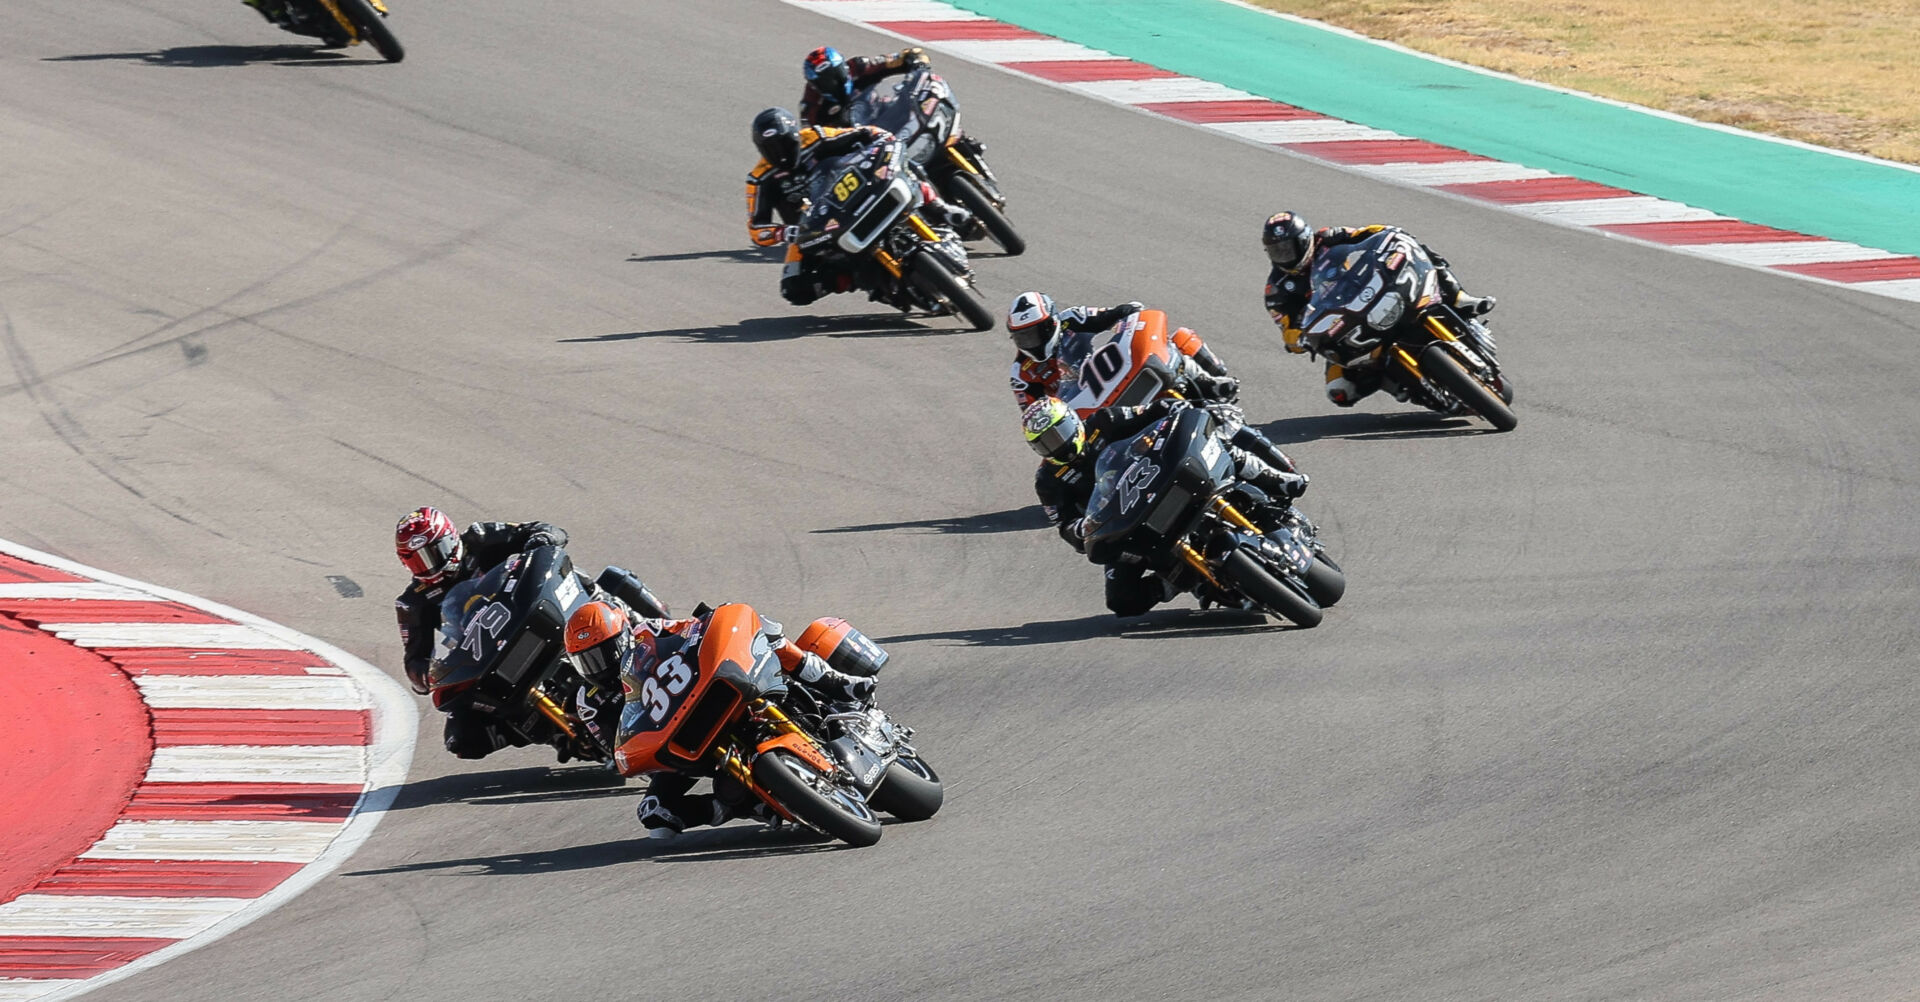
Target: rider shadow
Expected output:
[1011,520]
[744,255]
[204,56]
[1364,426]
[1162,624]
[758,330]
[539,784]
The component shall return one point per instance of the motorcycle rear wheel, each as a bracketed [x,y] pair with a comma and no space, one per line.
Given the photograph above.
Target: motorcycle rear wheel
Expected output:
[1253,581]
[1439,365]
[936,279]
[970,194]
[373,29]
[842,814]
[910,791]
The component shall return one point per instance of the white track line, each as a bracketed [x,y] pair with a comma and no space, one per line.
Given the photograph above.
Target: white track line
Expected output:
[256,692]
[258,764]
[274,841]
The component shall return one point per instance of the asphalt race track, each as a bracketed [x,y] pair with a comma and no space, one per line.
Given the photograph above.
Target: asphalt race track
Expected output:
[1618,705]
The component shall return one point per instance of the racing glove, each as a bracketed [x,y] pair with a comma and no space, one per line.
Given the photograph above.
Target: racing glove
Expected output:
[1218,387]
[417,677]
[915,56]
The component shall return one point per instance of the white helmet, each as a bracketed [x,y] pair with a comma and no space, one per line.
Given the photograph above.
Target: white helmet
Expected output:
[1033,323]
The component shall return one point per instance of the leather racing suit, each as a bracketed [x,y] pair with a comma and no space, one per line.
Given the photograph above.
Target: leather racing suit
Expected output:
[817,108]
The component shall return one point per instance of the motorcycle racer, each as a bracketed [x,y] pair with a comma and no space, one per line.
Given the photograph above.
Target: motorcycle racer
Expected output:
[1069,448]
[833,79]
[1043,333]
[1294,248]
[778,185]
[606,643]
[439,557]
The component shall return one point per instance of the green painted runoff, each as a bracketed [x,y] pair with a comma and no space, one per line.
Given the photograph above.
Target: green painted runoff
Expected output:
[1324,71]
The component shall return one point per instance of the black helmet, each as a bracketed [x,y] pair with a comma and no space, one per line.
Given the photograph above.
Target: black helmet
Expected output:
[777,136]
[1288,239]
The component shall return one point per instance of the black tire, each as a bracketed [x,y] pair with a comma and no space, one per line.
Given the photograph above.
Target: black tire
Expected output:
[1439,365]
[935,278]
[844,815]
[910,790]
[1253,581]
[970,194]
[1325,581]
[372,27]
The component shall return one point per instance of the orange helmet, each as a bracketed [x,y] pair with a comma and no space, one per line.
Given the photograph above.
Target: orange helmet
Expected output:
[599,640]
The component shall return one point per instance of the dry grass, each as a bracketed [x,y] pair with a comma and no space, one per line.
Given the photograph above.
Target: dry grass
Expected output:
[1837,73]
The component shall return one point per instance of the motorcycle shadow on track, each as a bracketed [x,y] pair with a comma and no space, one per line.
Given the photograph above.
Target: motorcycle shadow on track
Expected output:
[1160,625]
[743,255]
[747,841]
[1010,520]
[757,330]
[205,56]
[533,785]
[1366,426]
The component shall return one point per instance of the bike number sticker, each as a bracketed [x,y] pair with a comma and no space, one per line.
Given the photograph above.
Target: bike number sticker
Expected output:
[484,624]
[1101,368]
[660,692]
[844,188]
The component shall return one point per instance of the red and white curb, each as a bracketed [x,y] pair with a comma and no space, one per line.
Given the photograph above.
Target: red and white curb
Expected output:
[273,757]
[1529,191]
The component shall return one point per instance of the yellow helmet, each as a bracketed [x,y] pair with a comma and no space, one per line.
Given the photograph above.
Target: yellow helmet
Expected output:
[1053,430]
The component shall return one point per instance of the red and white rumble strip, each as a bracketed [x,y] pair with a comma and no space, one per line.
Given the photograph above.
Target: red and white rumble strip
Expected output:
[270,757]
[1388,156]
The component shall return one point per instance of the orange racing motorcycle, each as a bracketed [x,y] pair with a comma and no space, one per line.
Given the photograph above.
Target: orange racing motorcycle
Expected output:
[718,702]
[1137,362]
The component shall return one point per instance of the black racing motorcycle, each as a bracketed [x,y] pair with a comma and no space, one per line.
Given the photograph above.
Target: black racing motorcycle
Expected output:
[1377,303]
[1170,498]
[919,108]
[864,207]
[502,650]
[337,23]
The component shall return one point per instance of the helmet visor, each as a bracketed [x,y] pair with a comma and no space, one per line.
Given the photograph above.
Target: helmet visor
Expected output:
[430,559]
[1033,338]
[606,659]
[833,80]
[1287,252]
[1058,443]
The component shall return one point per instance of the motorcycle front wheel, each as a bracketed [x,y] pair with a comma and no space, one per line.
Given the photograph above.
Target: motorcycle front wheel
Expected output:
[934,278]
[1439,365]
[372,28]
[1255,582]
[1325,581]
[817,801]
[969,193]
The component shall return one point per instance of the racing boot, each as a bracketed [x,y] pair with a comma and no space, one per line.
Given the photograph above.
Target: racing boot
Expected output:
[1278,484]
[954,217]
[1474,306]
[837,686]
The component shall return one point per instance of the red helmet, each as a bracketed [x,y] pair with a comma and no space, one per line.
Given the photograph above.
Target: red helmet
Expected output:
[428,544]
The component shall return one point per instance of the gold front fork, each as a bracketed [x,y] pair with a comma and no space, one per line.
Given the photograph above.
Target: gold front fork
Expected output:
[1198,562]
[346,22]
[551,710]
[1232,514]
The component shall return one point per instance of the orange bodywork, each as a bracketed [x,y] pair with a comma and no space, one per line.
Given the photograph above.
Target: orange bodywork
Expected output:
[801,746]
[1187,341]
[728,636]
